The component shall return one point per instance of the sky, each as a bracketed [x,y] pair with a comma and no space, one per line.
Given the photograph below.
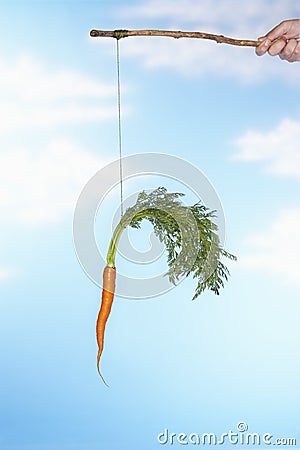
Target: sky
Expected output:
[203,366]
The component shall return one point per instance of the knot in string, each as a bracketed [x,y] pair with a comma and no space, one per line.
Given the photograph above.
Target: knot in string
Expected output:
[119,34]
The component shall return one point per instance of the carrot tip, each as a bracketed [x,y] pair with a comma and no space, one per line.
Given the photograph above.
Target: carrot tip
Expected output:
[101,376]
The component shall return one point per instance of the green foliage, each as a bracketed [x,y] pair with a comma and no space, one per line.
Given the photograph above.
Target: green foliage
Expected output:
[188,233]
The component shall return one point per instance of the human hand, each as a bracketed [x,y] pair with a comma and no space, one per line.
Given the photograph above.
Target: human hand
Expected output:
[283,40]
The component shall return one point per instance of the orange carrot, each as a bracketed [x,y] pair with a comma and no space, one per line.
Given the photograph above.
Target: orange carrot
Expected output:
[109,278]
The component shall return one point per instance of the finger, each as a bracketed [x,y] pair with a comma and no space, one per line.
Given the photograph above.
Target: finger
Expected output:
[295,56]
[277,47]
[289,49]
[263,47]
[279,31]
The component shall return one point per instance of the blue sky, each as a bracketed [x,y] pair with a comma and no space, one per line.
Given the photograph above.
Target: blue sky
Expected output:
[200,366]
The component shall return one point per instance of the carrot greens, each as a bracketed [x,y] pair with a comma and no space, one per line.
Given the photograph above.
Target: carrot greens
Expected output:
[188,233]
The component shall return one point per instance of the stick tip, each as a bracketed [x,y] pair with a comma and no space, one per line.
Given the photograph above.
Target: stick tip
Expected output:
[93,33]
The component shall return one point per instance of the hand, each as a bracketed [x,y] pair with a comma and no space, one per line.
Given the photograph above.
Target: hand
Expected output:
[283,40]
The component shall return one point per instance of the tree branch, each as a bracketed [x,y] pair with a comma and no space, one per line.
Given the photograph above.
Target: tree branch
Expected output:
[219,38]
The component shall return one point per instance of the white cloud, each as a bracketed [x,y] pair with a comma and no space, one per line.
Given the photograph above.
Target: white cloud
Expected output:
[34,96]
[278,148]
[28,79]
[276,251]
[7,274]
[195,57]
[219,12]
[40,185]
[13,115]
[41,188]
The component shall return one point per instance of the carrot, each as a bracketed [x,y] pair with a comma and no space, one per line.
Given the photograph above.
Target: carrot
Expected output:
[109,278]
[174,224]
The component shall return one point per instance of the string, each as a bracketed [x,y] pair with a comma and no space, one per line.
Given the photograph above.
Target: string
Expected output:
[119,128]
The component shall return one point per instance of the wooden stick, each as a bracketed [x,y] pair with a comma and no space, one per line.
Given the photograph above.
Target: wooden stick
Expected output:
[219,38]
